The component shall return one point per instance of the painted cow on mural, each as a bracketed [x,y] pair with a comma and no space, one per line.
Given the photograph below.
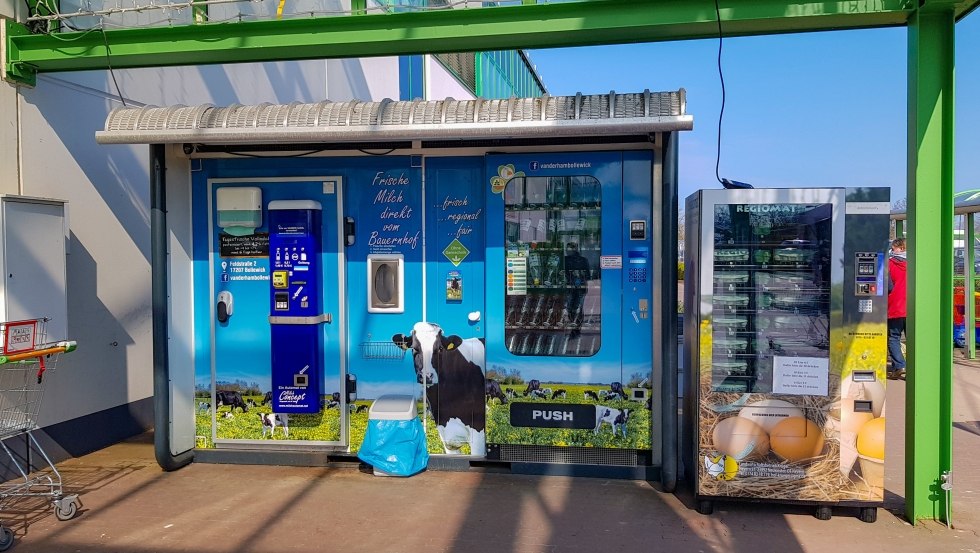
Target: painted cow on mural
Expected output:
[494,391]
[231,398]
[451,370]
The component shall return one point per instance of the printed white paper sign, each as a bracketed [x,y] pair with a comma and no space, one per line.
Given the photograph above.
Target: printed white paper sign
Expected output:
[800,375]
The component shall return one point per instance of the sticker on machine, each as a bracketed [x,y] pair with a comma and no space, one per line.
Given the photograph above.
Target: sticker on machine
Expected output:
[800,375]
[611,262]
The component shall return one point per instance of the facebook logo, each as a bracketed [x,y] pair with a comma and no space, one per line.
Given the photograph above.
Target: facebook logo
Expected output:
[534,165]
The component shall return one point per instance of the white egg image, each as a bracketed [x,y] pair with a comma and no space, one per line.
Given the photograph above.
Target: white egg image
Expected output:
[851,420]
[767,413]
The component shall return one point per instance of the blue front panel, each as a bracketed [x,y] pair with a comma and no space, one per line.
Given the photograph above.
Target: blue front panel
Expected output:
[237,354]
[294,292]
[455,245]
[384,198]
[294,251]
[297,368]
[557,329]
[637,273]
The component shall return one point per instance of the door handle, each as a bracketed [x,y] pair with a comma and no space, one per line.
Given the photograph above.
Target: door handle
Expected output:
[349,231]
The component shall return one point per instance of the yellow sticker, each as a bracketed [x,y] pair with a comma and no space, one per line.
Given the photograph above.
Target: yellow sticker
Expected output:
[280,279]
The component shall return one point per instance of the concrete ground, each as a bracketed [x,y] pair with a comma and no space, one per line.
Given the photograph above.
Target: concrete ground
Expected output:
[131,506]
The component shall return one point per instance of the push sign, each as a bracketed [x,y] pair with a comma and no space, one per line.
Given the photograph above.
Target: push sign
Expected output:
[552,415]
[19,336]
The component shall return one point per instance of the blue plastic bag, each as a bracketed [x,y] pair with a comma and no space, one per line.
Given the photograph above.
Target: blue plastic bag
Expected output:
[395,447]
[959,335]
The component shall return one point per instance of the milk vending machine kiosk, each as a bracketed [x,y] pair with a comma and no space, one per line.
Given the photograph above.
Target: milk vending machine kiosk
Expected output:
[785,346]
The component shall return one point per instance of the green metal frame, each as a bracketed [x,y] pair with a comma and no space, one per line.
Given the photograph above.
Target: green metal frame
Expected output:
[464,30]
[928,419]
[530,25]
[969,284]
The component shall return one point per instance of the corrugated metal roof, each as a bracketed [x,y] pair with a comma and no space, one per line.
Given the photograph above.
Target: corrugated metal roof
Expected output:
[388,120]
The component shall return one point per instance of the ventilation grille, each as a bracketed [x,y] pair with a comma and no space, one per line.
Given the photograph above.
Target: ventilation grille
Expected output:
[463,65]
[571,455]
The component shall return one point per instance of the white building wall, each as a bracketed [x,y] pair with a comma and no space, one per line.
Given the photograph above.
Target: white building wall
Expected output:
[107,188]
[12,9]
[441,84]
[9,176]
[363,79]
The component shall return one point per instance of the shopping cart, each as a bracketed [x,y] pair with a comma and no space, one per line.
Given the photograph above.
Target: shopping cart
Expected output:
[25,359]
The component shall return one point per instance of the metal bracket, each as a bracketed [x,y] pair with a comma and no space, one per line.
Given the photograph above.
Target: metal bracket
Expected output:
[16,73]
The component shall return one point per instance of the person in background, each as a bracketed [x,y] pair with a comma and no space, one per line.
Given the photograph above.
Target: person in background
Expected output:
[896,308]
[576,286]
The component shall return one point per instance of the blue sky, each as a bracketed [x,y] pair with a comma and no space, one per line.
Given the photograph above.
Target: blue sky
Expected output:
[802,110]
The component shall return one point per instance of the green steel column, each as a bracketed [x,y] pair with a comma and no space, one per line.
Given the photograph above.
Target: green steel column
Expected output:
[969,284]
[928,420]
[899,228]
[478,85]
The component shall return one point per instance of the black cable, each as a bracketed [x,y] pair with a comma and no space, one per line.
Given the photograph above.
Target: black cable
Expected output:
[376,153]
[721,77]
[262,156]
[111,72]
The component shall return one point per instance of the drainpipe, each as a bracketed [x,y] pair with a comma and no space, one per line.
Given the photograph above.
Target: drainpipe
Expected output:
[668,336]
[160,302]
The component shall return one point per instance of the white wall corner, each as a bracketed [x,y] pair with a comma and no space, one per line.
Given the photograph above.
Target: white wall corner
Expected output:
[9,140]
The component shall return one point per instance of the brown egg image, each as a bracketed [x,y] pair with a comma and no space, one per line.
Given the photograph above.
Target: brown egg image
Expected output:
[796,439]
[740,438]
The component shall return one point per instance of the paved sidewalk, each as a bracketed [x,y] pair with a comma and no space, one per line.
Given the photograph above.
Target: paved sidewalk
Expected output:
[131,506]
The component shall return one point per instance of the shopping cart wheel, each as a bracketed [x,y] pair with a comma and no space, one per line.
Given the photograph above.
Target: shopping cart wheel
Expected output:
[6,538]
[823,512]
[66,508]
[868,514]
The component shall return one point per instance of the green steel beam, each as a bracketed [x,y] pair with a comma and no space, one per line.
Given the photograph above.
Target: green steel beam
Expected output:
[462,30]
[969,285]
[928,419]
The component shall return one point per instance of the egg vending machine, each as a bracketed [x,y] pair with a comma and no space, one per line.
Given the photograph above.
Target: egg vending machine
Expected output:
[785,346]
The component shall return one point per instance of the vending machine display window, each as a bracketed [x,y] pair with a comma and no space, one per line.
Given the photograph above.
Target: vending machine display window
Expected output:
[771,294]
[553,283]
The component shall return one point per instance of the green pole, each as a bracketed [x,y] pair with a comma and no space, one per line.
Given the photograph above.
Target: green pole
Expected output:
[969,284]
[478,84]
[899,228]
[928,414]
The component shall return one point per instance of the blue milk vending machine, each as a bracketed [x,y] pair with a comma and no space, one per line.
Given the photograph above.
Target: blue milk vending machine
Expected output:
[296,311]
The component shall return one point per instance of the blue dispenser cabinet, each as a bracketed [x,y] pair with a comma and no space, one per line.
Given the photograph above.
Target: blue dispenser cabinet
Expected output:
[295,307]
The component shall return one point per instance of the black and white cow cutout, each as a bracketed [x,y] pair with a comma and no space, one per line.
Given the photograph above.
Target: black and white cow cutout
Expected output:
[451,370]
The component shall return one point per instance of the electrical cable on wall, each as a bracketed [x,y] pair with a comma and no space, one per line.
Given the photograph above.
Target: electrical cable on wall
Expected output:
[109,65]
[727,183]
[721,78]
[84,32]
